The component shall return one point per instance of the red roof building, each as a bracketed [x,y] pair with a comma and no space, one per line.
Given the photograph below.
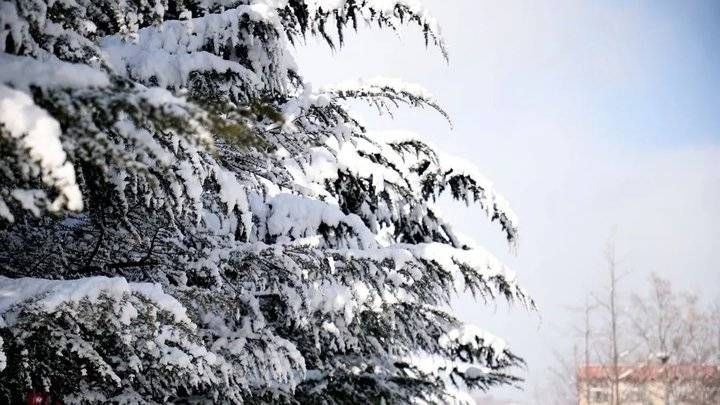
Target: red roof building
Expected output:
[649,384]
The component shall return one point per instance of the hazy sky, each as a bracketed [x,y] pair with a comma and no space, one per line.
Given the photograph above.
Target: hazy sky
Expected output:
[589,117]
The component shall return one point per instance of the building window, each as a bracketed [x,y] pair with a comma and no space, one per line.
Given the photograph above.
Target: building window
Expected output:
[634,394]
[599,395]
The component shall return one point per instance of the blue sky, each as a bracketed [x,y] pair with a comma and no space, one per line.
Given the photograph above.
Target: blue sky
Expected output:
[673,97]
[589,117]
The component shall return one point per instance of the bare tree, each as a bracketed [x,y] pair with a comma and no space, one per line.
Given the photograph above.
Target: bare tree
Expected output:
[610,302]
[561,386]
[656,320]
[612,268]
[663,336]
[679,335]
[659,327]
[715,328]
[587,335]
[570,379]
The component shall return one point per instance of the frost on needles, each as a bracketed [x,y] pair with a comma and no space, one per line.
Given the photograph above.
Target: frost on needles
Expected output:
[183,219]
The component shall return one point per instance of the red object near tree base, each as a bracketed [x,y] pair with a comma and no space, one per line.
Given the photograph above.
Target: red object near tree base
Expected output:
[35,397]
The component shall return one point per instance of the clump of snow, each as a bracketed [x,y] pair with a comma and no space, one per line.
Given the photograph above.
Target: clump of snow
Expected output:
[48,295]
[39,134]
[3,358]
[299,217]
[11,26]
[5,211]
[471,335]
[233,194]
[168,55]
[449,258]
[21,72]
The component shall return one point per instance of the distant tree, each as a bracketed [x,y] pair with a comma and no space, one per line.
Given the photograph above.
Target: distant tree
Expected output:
[673,329]
[715,328]
[184,219]
[663,336]
[666,322]
[612,324]
[587,336]
[596,340]
[563,385]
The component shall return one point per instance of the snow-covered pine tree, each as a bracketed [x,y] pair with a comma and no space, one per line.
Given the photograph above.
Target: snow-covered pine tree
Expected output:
[183,219]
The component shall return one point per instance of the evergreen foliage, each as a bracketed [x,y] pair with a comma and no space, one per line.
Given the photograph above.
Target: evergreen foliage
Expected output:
[182,219]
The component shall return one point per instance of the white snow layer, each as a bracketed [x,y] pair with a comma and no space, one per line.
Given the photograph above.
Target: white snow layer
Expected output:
[300,217]
[3,358]
[170,53]
[21,72]
[48,295]
[39,134]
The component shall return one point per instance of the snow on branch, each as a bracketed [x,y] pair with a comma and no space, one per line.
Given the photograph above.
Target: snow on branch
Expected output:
[438,172]
[474,270]
[233,42]
[485,357]
[29,30]
[18,294]
[316,16]
[132,341]
[373,166]
[186,220]
[111,334]
[386,94]
[35,137]
[296,217]
[387,308]
[467,270]
[22,72]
